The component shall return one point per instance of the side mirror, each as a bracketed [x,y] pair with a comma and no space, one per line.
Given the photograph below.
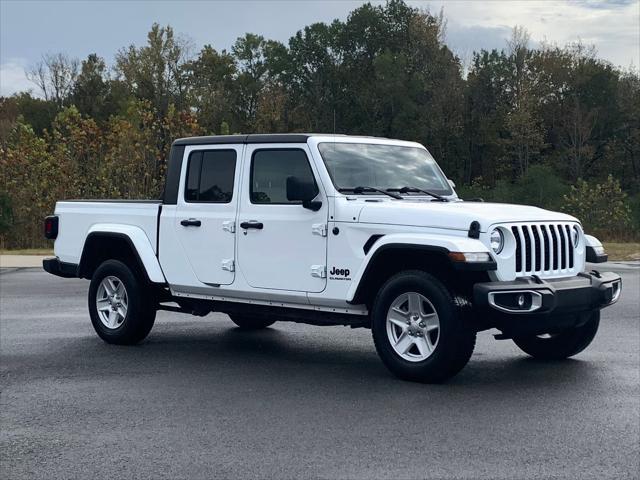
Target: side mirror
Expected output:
[451,183]
[305,192]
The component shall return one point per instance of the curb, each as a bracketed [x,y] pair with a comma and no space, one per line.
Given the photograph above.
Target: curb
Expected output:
[22,261]
[628,266]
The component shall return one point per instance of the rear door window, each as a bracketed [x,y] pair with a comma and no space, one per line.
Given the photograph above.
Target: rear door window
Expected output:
[210,176]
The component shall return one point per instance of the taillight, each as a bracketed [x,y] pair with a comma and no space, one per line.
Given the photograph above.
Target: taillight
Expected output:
[51,227]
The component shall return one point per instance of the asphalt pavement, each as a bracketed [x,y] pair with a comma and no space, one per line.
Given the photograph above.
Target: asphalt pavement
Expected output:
[202,399]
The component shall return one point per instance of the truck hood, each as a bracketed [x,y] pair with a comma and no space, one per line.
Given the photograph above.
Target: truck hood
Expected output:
[453,215]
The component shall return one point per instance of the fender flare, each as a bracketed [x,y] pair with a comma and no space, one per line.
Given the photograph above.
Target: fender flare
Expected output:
[442,244]
[137,240]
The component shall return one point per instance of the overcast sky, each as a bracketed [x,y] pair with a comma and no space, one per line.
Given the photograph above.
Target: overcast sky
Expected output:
[30,28]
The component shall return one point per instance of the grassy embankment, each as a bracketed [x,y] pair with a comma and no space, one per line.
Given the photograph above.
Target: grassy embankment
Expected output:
[28,251]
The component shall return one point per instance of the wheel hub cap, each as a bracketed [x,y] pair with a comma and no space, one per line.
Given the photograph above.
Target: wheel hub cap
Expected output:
[413,327]
[112,302]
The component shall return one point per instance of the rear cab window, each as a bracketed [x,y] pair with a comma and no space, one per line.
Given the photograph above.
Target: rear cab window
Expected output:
[210,176]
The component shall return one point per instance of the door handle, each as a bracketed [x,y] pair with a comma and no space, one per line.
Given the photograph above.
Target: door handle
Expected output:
[252,224]
[192,222]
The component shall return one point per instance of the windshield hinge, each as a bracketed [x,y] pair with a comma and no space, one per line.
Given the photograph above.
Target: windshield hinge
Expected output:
[319,229]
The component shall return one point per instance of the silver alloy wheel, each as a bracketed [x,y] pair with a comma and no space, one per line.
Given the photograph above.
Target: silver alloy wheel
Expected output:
[413,327]
[111,302]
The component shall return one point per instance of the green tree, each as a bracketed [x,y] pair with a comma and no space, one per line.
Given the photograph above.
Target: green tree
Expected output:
[211,77]
[34,111]
[601,207]
[486,107]
[91,93]
[33,182]
[156,72]
[256,59]
[6,215]
[314,80]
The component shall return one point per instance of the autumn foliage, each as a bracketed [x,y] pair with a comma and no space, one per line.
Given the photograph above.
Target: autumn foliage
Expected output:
[550,126]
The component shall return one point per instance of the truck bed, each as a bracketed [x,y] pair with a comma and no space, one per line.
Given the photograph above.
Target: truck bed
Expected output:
[77,217]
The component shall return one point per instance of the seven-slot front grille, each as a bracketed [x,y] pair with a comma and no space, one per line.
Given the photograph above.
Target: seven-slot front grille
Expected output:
[543,248]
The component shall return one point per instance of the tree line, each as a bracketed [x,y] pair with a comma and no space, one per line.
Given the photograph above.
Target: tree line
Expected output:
[554,126]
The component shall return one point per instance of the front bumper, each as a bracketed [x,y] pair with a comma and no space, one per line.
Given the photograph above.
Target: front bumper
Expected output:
[534,305]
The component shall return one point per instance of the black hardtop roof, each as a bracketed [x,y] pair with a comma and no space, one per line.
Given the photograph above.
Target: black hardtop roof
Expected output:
[256,138]
[252,138]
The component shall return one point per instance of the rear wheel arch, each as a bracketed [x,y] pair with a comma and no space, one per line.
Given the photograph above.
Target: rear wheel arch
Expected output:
[102,246]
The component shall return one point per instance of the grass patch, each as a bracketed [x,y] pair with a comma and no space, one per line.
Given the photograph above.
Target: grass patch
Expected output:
[28,251]
[622,251]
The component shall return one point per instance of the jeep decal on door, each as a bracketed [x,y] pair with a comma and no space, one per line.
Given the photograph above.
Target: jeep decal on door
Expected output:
[339,274]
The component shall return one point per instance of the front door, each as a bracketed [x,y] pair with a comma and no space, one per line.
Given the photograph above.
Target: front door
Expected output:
[281,244]
[206,211]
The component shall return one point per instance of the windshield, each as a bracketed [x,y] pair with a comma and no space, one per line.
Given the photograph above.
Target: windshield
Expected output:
[382,166]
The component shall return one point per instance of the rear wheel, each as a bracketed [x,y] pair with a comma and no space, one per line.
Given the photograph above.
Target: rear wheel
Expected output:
[120,305]
[247,322]
[561,345]
[419,329]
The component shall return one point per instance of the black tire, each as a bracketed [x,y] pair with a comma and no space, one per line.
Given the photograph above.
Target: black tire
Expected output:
[561,345]
[247,322]
[141,308]
[456,340]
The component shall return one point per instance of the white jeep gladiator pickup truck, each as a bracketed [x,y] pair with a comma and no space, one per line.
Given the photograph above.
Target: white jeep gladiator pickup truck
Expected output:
[335,230]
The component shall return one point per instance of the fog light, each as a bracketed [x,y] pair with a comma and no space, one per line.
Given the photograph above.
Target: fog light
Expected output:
[616,288]
[516,301]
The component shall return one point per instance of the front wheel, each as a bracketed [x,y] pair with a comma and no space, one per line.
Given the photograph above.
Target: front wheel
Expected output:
[420,331]
[120,304]
[558,346]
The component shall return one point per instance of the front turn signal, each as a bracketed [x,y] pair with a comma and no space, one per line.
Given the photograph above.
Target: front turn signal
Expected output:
[471,257]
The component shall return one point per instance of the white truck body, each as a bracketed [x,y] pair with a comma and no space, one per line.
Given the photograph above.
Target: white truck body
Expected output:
[247,247]
[276,264]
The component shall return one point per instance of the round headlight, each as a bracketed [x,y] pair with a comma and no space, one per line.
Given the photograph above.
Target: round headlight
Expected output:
[497,240]
[575,236]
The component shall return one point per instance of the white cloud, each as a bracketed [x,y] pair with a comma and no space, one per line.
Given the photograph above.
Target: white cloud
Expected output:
[613,27]
[13,78]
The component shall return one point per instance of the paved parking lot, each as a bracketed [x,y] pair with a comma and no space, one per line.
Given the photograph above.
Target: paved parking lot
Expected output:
[201,399]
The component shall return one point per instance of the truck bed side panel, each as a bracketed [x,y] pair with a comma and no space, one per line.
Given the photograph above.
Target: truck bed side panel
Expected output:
[76,218]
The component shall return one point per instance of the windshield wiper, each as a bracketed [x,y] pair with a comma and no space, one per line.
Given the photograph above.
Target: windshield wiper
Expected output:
[440,198]
[360,190]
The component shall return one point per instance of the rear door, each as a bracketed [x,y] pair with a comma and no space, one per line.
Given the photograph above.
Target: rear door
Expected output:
[281,244]
[206,210]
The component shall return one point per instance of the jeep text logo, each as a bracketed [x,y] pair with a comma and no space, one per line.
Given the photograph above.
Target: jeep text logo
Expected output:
[339,272]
